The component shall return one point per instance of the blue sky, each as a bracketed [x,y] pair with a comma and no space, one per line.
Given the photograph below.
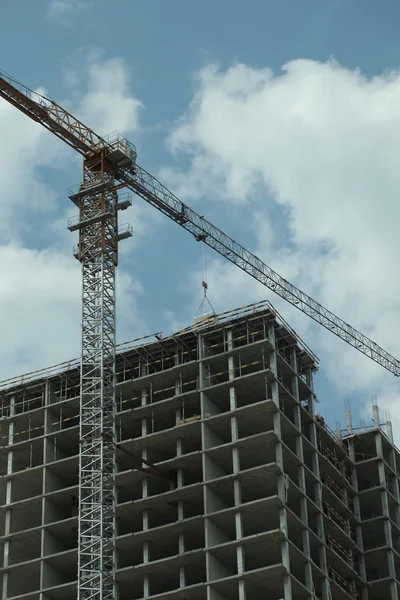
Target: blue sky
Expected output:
[298,163]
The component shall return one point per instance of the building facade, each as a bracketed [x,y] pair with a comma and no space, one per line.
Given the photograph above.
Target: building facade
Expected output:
[230,485]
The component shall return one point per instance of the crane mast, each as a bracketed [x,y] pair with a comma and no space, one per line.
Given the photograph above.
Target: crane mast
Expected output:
[97,200]
[109,165]
[97,252]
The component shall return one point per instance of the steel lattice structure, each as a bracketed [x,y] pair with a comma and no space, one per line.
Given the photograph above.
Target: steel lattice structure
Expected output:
[98,253]
[109,166]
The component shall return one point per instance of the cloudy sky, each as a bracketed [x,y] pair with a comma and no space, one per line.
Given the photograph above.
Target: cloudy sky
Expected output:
[279,121]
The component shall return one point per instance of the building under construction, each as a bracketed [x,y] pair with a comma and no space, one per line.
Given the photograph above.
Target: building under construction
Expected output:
[230,485]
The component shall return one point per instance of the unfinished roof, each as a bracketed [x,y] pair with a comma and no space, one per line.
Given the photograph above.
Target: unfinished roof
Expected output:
[155,345]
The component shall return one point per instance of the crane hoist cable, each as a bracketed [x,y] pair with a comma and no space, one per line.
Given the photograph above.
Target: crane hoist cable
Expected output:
[204,282]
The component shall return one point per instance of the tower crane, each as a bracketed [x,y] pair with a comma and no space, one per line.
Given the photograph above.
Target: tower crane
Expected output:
[109,164]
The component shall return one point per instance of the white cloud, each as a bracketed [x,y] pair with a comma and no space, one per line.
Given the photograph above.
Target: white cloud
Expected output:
[36,289]
[108,104]
[322,143]
[61,9]
[23,148]
[100,90]
[40,290]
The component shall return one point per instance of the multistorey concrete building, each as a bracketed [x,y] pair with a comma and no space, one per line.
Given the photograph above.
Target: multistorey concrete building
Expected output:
[230,485]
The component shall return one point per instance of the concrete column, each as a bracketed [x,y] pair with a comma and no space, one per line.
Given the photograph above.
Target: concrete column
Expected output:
[325,586]
[213,535]
[242,590]
[287,583]
[7,513]
[181,545]
[389,430]
[273,365]
[309,380]
[146,586]
[47,426]
[378,444]
[145,512]
[395,490]
[385,506]
[179,441]
[394,595]
[240,551]
[206,409]
[301,474]
[375,415]
[146,552]
[326,589]
[282,491]
[357,513]
[143,401]
[236,467]
[181,516]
